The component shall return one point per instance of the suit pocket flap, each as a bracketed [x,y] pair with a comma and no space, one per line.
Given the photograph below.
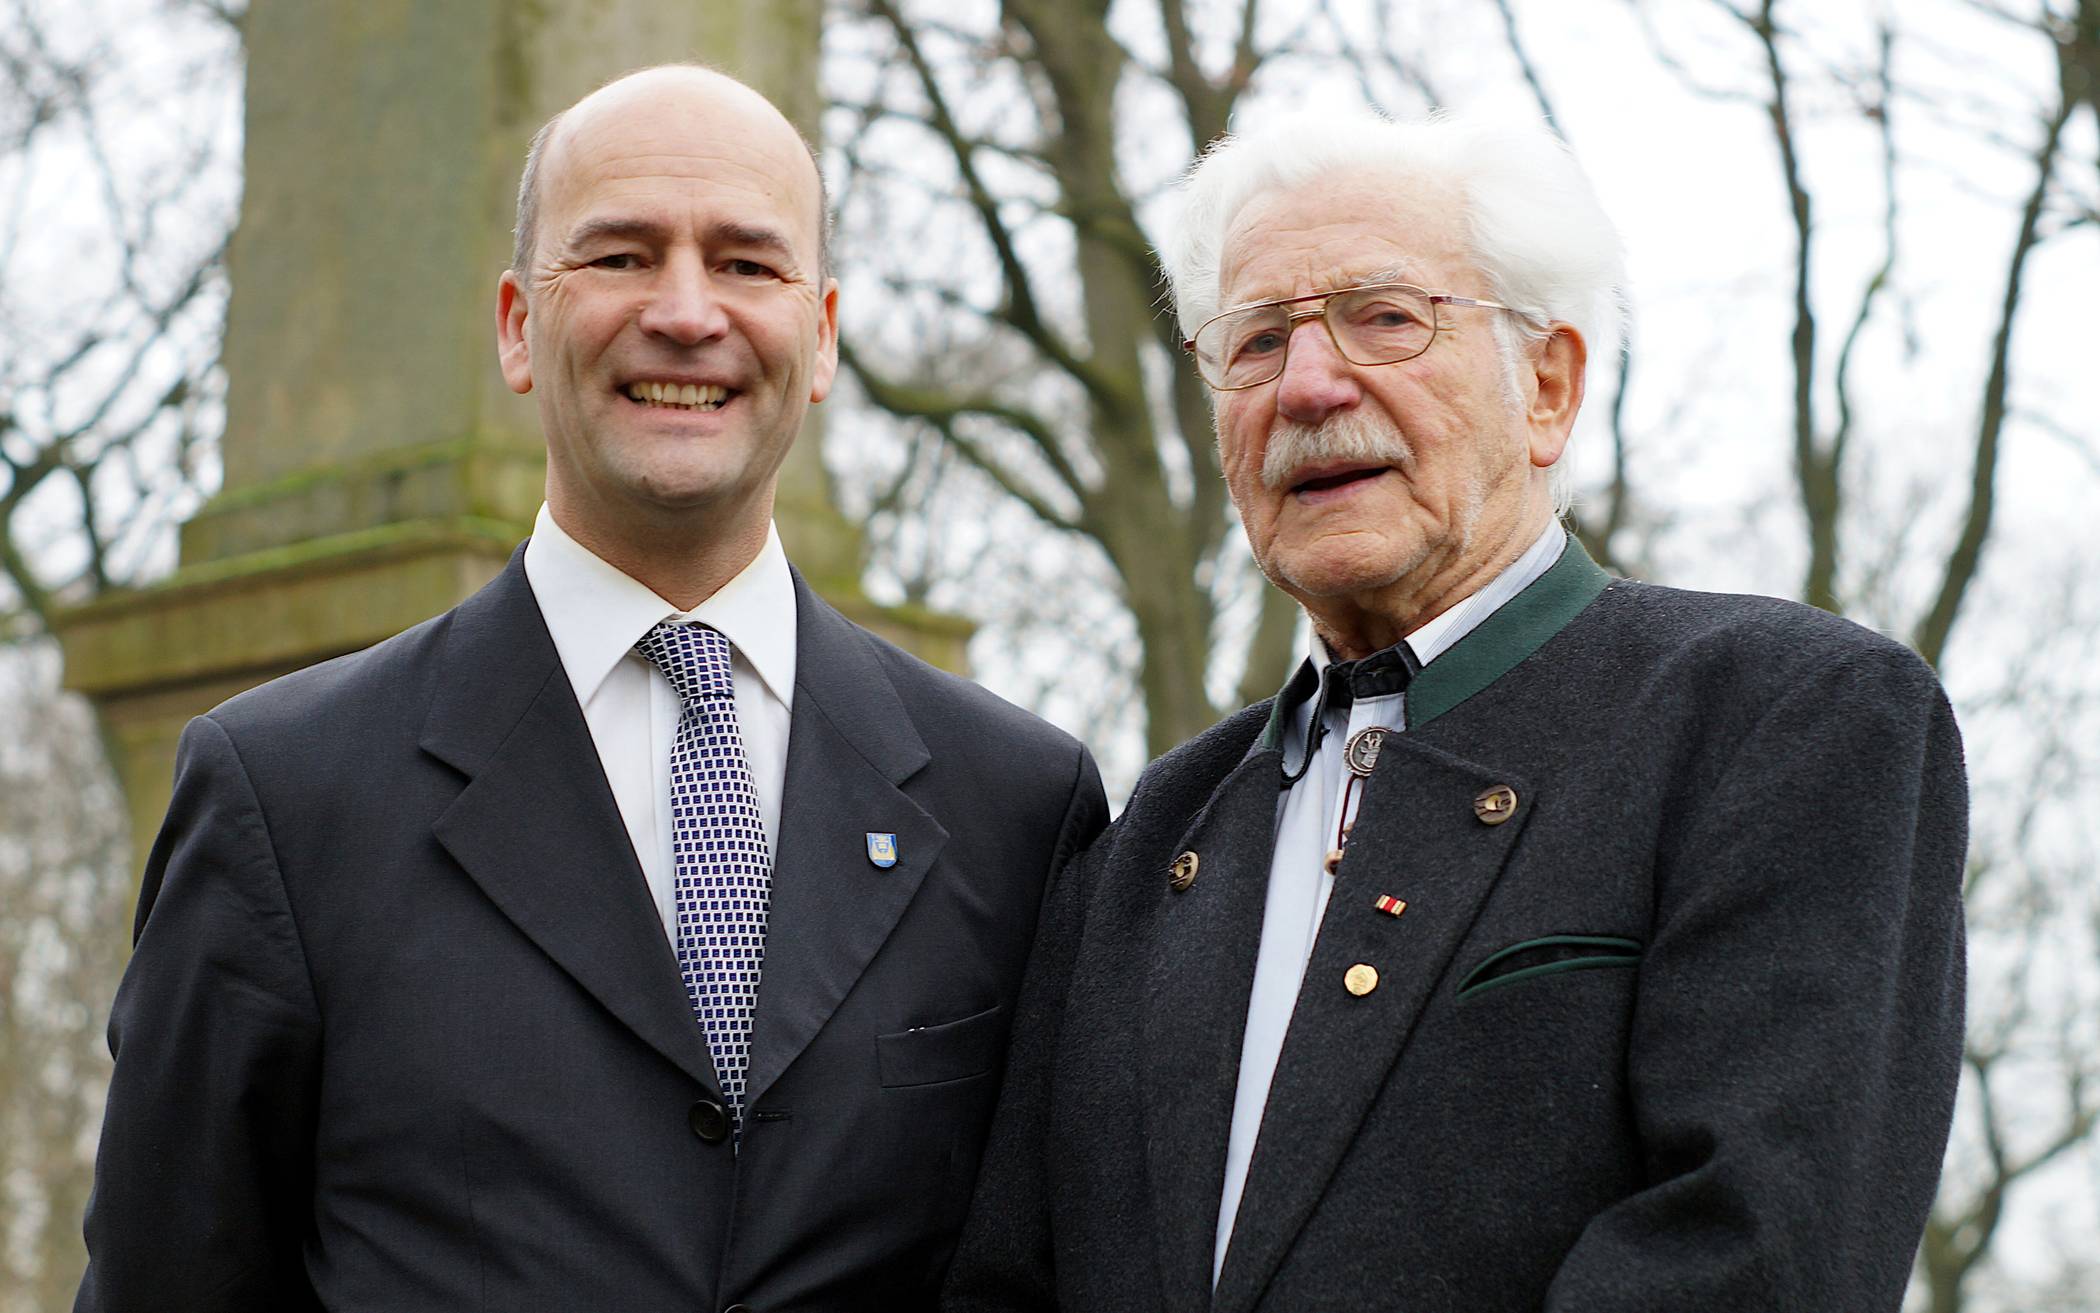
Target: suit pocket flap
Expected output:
[1547,956]
[952,1050]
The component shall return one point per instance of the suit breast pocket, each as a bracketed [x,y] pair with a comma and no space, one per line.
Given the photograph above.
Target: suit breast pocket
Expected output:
[1548,956]
[949,1051]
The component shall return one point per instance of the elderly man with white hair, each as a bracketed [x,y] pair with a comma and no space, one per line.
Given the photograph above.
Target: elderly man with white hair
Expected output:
[1551,941]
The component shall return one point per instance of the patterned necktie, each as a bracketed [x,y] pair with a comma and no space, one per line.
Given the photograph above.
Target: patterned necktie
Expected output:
[722,867]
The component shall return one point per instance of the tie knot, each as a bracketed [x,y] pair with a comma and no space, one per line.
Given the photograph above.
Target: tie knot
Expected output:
[692,656]
[1377,675]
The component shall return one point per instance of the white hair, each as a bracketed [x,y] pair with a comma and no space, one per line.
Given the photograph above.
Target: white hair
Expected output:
[1533,223]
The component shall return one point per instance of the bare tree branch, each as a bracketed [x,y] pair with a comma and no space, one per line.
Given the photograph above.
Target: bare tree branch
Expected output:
[942,410]
[978,459]
[1023,312]
[100,394]
[1526,66]
[2083,442]
[1815,469]
[1963,561]
[1598,539]
[1882,113]
[1686,77]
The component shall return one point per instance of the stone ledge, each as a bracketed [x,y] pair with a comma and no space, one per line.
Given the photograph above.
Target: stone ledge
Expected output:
[474,477]
[279,609]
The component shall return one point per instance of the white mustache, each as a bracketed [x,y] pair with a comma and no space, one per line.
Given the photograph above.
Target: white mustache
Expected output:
[1350,437]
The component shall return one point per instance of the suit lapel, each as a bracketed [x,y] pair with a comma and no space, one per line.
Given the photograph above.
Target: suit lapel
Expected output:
[536,826]
[850,744]
[1417,838]
[1195,1016]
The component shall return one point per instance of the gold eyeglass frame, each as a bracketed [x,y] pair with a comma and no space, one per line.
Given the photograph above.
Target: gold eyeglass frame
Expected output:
[1296,317]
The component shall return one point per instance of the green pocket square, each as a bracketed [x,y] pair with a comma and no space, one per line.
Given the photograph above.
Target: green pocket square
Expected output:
[1547,956]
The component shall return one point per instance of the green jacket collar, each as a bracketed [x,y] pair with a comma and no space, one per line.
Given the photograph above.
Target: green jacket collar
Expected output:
[1496,646]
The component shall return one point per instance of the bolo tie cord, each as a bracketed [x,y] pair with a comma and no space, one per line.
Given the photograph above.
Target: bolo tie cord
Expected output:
[1313,738]
[1342,823]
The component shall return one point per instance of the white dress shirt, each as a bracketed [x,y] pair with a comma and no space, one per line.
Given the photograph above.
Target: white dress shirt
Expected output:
[596,614]
[1307,823]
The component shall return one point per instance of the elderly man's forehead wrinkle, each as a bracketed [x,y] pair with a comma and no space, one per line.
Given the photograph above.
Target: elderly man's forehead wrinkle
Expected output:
[1281,270]
[1351,230]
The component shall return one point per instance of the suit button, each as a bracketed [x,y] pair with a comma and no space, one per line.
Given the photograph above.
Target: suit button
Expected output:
[738,1308]
[1183,873]
[709,1120]
[1495,805]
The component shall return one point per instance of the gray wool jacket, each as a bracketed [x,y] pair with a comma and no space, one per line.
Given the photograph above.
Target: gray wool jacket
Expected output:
[1681,1031]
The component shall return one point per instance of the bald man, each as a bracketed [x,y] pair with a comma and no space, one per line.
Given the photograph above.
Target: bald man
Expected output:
[640,934]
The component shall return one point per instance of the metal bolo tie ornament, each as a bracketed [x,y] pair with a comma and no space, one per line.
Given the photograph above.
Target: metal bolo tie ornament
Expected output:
[1342,684]
[1359,754]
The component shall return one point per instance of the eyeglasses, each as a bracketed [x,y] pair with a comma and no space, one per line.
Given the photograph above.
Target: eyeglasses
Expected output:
[1376,324]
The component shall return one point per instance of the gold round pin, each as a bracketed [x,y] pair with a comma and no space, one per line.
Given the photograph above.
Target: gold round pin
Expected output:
[1360,979]
[1495,804]
[1183,873]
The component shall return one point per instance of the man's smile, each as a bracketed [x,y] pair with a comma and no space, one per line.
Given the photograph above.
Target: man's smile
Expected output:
[671,394]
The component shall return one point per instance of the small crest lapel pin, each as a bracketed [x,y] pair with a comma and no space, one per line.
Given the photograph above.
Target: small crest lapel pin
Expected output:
[882,850]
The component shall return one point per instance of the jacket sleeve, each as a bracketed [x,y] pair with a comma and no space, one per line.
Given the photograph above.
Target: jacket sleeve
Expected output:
[1797,1031]
[202,1194]
[1004,1261]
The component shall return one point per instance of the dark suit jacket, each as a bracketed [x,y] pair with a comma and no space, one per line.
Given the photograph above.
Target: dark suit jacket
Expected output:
[403,1029]
[1680,1033]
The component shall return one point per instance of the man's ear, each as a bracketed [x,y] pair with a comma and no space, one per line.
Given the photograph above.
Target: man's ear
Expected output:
[511,351]
[1558,364]
[827,364]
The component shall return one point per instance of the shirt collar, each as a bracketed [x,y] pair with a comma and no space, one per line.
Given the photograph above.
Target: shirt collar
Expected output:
[1428,641]
[595,613]
[1431,640]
